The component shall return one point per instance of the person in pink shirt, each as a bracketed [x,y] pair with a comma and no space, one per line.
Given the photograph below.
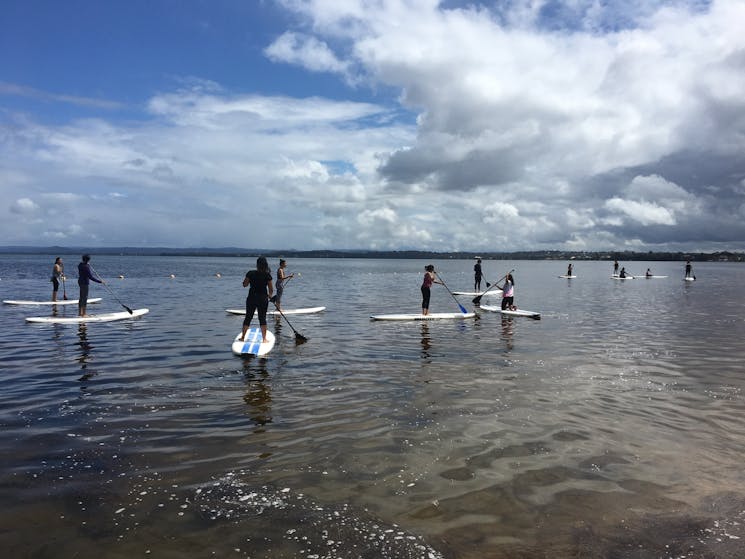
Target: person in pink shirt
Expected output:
[429,279]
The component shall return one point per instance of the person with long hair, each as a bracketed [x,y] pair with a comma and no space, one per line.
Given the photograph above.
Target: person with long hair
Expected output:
[508,293]
[58,270]
[260,288]
[429,278]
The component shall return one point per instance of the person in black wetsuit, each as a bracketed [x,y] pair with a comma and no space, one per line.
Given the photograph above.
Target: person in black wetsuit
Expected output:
[260,288]
[85,276]
[477,275]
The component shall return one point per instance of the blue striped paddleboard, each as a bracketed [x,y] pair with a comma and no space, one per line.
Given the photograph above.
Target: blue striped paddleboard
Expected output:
[252,344]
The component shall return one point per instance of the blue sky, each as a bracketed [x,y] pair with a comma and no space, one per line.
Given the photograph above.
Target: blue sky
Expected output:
[523,124]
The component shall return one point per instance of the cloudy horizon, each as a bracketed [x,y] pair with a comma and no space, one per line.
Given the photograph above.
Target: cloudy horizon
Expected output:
[391,125]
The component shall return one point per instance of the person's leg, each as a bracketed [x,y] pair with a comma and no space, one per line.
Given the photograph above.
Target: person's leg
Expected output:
[250,309]
[262,319]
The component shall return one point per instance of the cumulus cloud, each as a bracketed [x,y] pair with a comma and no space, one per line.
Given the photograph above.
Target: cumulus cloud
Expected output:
[513,125]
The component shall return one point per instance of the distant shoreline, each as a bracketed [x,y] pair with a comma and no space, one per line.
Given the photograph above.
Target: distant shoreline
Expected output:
[723,256]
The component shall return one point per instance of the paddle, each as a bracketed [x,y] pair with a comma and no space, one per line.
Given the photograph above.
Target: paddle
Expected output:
[477,300]
[462,308]
[64,290]
[299,338]
[110,291]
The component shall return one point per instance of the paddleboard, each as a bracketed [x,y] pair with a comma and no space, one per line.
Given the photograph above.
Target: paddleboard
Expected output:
[252,345]
[430,316]
[567,277]
[104,317]
[624,278]
[655,277]
[517,312]
[689,279]
[495,292]
[308,310]
[68,302]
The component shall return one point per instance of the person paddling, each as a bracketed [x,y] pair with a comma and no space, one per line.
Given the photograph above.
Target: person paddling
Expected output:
[260,288]
[689,269]
[477,275]
[569,269]
[85,276]
[58,270]
[508,293]
[281,278]
[428,280]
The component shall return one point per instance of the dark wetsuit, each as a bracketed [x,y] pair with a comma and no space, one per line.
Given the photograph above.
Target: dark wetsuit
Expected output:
[477,275]
[85,276]
[258,296]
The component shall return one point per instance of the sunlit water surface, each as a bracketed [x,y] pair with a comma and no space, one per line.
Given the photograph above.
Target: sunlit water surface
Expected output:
[612,427]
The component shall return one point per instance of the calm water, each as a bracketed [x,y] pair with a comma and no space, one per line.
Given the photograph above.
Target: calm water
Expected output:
[613,427]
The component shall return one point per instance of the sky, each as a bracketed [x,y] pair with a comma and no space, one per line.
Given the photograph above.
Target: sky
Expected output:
[383,125]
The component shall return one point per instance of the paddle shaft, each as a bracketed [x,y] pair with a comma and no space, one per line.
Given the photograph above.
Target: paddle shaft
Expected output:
[462,308]
[298,336]
[476,300]
[109,290]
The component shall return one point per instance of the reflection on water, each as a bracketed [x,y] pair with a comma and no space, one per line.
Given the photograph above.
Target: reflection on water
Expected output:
[613,427]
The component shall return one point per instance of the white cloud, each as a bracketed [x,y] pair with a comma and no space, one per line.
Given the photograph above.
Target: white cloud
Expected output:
[24,206]
[645,213]
[305,51]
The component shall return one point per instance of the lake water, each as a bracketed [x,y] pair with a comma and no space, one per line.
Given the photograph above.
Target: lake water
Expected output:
[612,428]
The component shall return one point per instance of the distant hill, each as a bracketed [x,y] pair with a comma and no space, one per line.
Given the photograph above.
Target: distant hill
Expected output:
[626,256]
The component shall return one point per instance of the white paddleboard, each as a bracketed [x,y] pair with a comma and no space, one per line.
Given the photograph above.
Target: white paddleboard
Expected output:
[567,277]
[654,277]
[430,316]
[624,278]
[104,317]
[517,312]
[252,345]
[68,302]
[689,279]
[495,292]
[307,310]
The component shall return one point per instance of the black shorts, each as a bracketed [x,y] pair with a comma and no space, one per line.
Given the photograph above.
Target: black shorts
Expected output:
[55,284]
[507,302]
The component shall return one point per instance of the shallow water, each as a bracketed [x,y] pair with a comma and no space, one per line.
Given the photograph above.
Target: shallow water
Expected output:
[613,427]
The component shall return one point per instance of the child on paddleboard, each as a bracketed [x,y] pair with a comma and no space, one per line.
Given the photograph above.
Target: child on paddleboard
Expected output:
[259,283]
[508,293]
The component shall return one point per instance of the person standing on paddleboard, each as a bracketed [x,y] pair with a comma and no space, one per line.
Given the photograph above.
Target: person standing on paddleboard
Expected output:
[85,276]
[58,270]
[477,275]
[615,268]
[569,269]
[281,278]
[429,279]
[508,293]
[260,288]
[689,269]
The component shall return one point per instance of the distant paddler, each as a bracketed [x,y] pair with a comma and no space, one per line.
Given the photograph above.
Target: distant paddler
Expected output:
[282,278]
[58,274]
[477,275]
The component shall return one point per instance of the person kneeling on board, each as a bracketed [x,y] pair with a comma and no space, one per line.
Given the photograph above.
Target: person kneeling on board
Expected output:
[259,283]
[508,294]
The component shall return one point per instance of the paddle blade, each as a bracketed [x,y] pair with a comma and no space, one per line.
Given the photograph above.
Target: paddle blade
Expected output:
[463,309]
[299,338]
[477,300]
[488,284]
[128,309]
